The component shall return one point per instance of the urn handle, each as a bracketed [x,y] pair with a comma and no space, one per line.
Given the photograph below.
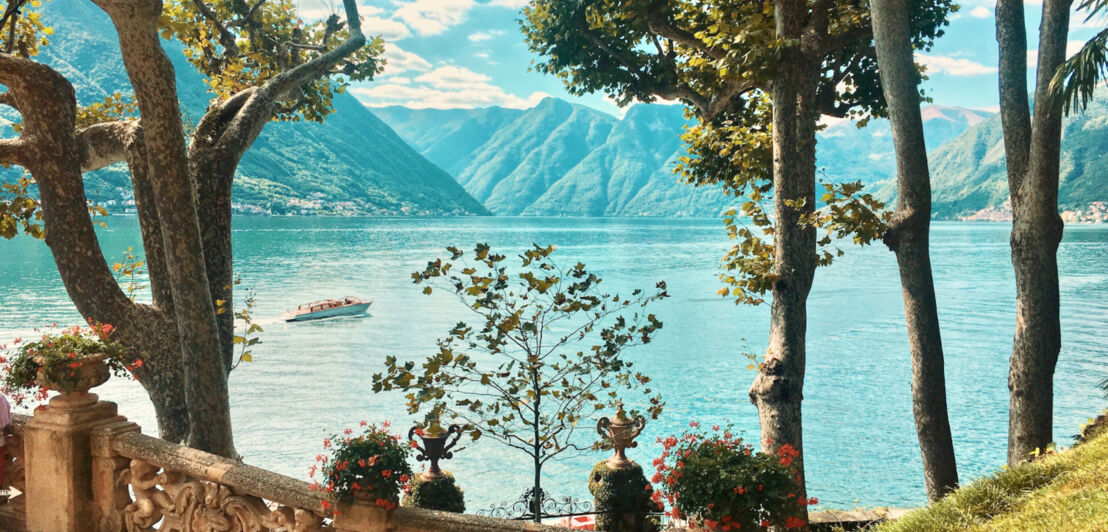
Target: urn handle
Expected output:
[602,427]
[639,423]
[456,431]
[414,443]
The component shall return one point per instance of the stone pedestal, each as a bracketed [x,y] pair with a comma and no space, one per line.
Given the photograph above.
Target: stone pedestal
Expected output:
[59,462]
[624,497]
[361,516]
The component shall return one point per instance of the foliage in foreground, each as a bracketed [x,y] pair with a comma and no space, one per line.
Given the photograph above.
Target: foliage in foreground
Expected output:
[720,481]
[544,352]
[372,465]
[60,356]
[1063,491]
[436,494]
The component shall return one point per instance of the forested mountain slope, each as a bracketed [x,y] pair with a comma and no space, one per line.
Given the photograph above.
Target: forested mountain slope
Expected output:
[563,159]
[352,163]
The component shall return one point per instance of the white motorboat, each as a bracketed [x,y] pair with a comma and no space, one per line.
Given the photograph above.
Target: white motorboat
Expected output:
[328,308]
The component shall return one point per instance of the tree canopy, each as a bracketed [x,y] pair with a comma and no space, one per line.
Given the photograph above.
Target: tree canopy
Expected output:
[720,59]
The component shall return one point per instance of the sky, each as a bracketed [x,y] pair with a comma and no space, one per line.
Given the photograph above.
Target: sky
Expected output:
[470,53]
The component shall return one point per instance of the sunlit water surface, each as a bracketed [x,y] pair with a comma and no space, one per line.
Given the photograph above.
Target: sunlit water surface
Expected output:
[312,379]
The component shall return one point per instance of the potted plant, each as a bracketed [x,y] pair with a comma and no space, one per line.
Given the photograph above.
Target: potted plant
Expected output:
[435,489]
[371,466]
[718,482]
[70,362]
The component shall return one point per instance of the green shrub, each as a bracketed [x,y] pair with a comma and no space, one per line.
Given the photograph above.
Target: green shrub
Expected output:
[623,498]
[372,466]
[720,482]
[436,494]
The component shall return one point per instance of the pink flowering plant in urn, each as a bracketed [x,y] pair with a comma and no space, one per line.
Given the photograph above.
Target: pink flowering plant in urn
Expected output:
[369,464]
[717,481]
[70,361]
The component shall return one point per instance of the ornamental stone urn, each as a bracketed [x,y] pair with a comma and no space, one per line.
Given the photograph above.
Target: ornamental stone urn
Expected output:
[621,432]
[435,447]
[74,381]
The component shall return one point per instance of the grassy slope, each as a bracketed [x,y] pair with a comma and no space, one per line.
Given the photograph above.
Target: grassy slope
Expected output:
[1066,491]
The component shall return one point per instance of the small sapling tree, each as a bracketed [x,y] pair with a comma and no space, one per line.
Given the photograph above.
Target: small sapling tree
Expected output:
[544,353]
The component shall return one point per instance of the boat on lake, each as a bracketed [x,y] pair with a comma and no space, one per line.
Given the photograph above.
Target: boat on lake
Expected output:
[328,308]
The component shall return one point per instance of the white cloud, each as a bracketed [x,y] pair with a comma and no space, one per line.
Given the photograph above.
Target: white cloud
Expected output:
[398,61]
[1072,47]
[485,35]
[1078,20]
[445,87]
[400,80]
[482,55]
[511,4]
[981,12]
[454,77]
[427,97]
[429,17]
[391,30]
[938,64]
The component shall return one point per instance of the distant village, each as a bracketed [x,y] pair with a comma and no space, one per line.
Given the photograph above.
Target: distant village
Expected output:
[1095,213]
[316,204]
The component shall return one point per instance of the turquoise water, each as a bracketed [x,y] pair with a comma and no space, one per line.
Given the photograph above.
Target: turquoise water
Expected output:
[312,379]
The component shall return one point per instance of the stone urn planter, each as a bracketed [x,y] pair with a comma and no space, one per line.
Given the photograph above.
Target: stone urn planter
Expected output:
[434,448]
[74,380]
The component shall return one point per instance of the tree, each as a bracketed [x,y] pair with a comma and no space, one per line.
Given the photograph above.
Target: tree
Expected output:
[261,64]
[907,235]
[755,74]
[546,353]
[1074,82]
[1031,147]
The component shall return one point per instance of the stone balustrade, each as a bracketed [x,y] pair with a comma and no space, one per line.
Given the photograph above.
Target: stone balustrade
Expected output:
[81,467]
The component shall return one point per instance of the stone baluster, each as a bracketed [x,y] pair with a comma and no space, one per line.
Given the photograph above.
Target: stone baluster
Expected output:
[59,461]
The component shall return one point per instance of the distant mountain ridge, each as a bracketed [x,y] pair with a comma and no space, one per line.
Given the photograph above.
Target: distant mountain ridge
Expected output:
[351,164]
[563,159]
[969,175]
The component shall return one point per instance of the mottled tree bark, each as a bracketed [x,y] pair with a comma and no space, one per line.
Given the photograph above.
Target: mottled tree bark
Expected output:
[1032,145]
[56,156]
[907,236]
[152,77]
[184,205]
[778,389]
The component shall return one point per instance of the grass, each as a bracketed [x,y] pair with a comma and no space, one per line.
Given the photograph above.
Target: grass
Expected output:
[1063,491]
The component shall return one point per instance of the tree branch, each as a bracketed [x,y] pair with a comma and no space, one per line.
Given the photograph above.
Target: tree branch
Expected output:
[226,38]
[12,151]
[664,29]
[259,108]
[105,143]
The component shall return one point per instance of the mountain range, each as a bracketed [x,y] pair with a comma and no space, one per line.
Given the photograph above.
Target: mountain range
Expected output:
[555,159]
[564,159]
[968,173]
[352,163]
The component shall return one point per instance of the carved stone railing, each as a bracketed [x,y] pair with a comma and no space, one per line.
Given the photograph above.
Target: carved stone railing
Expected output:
[84,468]
[150,484]
[157,485]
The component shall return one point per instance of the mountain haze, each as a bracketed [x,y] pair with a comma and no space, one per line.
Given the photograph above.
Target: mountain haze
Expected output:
[563,159]
[352,163]
[968,173]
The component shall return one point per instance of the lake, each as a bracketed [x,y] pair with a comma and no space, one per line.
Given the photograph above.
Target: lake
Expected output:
[313,379]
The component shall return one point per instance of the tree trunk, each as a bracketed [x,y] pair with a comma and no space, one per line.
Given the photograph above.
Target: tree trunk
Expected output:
[778,389]
[152,77]
[213,175]
[1033,155]
[907,236]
